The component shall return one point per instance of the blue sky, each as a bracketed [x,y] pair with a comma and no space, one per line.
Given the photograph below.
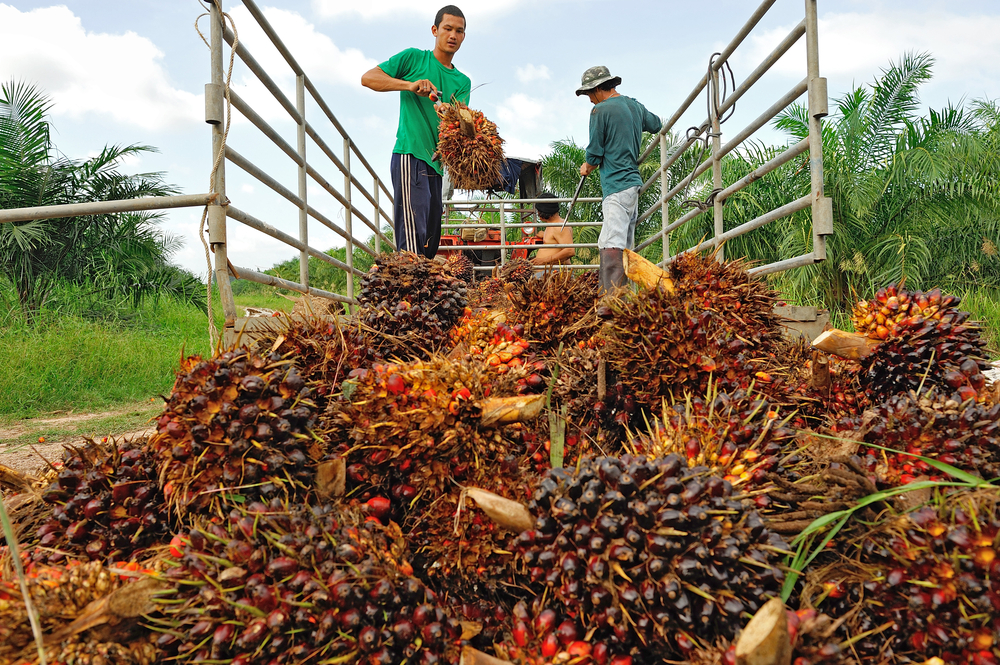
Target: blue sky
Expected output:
[133,72]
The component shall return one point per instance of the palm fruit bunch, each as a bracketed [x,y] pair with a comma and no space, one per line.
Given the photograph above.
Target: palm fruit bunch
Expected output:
[556,308]
[924,587]
[925,341]
[299,585]
[485,337]
[737,436]
[650,553]
[408,431]
[412,298]
[470,147]
[105,505]
[745,303]
[489,293]
[240,422]
[966,436]
[461,267]
[60,594]
[540,634]
[516,271]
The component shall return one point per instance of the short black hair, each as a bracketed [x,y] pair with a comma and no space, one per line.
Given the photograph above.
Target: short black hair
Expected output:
[546,210]
[608,86]
[447,9]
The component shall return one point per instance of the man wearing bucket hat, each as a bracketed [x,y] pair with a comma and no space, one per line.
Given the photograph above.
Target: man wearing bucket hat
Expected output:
[616,126]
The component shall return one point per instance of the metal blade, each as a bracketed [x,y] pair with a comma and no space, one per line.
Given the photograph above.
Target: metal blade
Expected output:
[576,195]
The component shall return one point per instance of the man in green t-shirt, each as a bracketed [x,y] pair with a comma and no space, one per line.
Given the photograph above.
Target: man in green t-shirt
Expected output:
[616,126]
[423,79]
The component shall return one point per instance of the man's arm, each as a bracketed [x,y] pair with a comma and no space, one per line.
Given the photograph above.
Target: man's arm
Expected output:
[650,122]
[595,149]
[377,80]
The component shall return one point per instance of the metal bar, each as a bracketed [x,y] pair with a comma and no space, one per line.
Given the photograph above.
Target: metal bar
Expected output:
[254,223]
[105,207]
[675,155]
[719,225]
[273,36]
[323,219]
[815,133]
[348,225]
[481,202]
[219,176]
[325,184]
[263,77]
[784,211]
[723,57]
[300,135]
[271,280]
[248,166]
[464,225]
[750,80]
[262,125]
[796,262]
[503,235]
[664,207]
[378,220]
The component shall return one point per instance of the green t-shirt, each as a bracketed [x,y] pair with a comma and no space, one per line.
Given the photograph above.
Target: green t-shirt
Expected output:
[616,127]
[418,121]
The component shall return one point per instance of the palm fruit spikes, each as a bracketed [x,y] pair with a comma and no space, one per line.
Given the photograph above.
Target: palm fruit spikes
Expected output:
[655,552]
[106,505]
[300,585]
[461,267]
[469,146]
[237,423]
[880,317]
[517,271]
[555,308]
[924,586]
[413,299]
[965,436]
[489,293]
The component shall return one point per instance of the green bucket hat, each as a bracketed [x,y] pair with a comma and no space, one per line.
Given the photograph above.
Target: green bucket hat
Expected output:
[594,77]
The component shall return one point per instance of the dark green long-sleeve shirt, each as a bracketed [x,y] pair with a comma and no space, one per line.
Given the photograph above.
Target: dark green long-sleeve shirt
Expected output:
[616,127]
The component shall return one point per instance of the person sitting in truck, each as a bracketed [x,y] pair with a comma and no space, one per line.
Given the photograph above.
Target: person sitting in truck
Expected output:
[423,79]
[548,212]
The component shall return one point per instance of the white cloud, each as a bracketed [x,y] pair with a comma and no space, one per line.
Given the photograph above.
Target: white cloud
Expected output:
[855,47]
[529,124]
[530,73]
[246,188]
[119,76]
[426,8]
[520,111]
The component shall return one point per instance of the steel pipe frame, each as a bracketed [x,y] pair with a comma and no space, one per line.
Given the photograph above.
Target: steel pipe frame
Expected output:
[265,228]
[762,170]
[513,225]
[303,178]
[271,280]
[13,215]
[768,62]
[786,264]
[480,202]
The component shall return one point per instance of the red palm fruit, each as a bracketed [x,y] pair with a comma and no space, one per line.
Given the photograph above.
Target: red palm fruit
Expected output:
[252,634]
[545,621]
[282,567]
[621,660]
[600,653]
[223,634]
[201,629]
[579,649]
[395,384]
[550,645]
[378,507]
[566,632]
[520,633]
[368,639]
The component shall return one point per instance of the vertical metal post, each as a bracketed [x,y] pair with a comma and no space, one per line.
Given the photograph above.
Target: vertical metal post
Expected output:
[503,234]
[217,213]
[664,188]
[717,164]
[300,106]
[822,207]
[349,222]
[378,218]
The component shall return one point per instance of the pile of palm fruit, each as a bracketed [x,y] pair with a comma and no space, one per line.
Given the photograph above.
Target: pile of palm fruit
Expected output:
[469,146]
[525,471]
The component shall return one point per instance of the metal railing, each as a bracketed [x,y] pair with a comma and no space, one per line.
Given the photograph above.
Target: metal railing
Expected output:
[307,138]
[821,206]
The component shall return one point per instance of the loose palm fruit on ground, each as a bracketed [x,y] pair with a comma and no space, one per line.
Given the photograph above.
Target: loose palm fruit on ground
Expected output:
[966,436]
[655,551]
[745,303]
[408,431]
[105,505]
[461,267]
[556,308]
[923,586]
[236,421]
[412,298]
[300,585]
[739,437]
[926,342]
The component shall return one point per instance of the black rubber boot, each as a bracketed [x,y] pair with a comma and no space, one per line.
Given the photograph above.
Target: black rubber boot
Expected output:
[612,270]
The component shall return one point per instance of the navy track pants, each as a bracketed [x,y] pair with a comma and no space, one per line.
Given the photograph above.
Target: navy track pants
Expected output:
[417,207]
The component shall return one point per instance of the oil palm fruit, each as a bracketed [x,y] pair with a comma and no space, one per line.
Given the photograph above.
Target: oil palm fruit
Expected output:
[236,421]
[489,293]
[105,505]
[300,585]
[557,308]
[516,271]
[924,586]
[413,299]
[966,436]
[654,551]
[460,266]
[469,146]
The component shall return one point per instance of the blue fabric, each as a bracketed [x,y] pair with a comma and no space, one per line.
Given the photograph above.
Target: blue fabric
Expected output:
[510,171]
[417,206]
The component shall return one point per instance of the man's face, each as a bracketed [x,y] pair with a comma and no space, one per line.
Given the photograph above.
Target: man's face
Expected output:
[450,34]
[592,96]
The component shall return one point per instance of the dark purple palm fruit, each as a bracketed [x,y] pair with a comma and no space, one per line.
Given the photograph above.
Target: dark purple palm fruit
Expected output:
[653,539]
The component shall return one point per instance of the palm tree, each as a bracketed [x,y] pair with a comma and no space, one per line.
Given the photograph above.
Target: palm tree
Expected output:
[115,257]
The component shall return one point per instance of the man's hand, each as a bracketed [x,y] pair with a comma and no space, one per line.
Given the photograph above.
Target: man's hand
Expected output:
[424,88]
[586,168]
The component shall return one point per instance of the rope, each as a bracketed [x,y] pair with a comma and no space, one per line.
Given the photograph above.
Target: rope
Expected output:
[213,333]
